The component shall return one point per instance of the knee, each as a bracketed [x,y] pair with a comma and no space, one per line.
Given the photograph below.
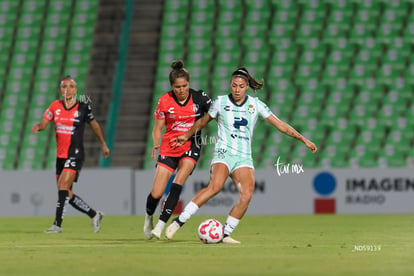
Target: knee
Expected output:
[213,190]
[246,196]
[63,185]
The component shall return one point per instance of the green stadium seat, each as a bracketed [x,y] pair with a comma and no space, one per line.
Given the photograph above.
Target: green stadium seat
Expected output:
[229,5]
[364,24]
[308,32]
[306,73]
[389,26]
[9,6]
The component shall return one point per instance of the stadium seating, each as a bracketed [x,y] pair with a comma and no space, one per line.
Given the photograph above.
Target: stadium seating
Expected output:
[341,72]
[40,55]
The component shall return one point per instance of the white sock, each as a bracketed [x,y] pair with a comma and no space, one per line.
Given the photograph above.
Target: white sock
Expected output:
[231,224]
[160,224]
[189,210]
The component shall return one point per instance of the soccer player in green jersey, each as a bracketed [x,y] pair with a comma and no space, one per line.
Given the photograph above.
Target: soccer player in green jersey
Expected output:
[236,114]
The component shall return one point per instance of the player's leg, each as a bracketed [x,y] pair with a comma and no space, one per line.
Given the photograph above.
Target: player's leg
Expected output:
[185,167]
[243,178]
[79,204]
[75,166]
[163,173]
[65,181]
[218,176]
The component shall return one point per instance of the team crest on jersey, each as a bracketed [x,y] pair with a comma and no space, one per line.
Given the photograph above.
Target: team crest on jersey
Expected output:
[195,108]
[76,114]
[251,109]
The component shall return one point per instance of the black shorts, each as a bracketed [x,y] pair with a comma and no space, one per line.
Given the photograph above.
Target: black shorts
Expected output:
[171,162]
[71,164]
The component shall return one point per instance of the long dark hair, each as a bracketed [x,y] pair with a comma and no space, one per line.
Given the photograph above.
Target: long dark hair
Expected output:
[178,71]
[252,81]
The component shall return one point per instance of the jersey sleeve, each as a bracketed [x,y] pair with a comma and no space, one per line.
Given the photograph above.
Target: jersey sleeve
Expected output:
[214,109]
[159,112]
[89,115]
[50,112]
[206,102]
[263,109]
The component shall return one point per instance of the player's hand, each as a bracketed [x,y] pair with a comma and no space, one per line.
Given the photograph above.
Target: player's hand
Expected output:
[178,141]
[154,151]
[35,128]
[105,151]
[311,146]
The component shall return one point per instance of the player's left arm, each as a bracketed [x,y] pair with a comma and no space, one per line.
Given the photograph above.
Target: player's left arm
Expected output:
[98,133]
[288,130]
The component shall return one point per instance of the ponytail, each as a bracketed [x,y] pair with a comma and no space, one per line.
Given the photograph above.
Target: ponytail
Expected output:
[252,81]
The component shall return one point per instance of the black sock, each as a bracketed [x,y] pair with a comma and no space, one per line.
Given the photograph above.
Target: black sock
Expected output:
[152,204]
[80,205]
[171,202]
[63,198]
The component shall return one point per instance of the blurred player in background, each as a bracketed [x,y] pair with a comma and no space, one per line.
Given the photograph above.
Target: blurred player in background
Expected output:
[237,114]
[177,110]
[69,117]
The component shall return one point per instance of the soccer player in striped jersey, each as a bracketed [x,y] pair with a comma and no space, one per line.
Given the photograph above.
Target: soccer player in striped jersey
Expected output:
[69,117]
[236,115]
[177,110]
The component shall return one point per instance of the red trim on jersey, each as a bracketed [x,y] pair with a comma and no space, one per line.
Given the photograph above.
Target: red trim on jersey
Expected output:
[165,166]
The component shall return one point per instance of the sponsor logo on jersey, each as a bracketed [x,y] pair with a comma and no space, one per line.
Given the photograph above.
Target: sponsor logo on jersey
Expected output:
[239,121]
[228,108]
[57,112]
[181,126]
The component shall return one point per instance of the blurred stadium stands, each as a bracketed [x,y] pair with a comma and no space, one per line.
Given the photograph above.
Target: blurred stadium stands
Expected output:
[340,71]
[40,42]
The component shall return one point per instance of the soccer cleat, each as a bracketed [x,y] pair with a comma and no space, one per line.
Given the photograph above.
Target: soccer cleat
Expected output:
[230,240]
[172,229]
[96,221]
[53,229]
[148,226]
[156,232]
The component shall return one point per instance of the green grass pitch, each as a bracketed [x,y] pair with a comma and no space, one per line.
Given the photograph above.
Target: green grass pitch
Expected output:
[271,245]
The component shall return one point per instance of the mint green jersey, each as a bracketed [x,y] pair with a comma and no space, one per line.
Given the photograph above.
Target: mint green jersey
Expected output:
[236,123]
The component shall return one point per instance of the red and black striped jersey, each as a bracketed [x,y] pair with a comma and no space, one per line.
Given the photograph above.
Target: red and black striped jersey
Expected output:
[179,118]
[69,127]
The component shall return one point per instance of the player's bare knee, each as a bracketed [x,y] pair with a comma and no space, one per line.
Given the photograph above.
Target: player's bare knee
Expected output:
[245,197]
[213,190]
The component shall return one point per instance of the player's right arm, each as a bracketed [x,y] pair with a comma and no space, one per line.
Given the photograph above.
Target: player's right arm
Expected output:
[40,126]
[156,136]
[199,124]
